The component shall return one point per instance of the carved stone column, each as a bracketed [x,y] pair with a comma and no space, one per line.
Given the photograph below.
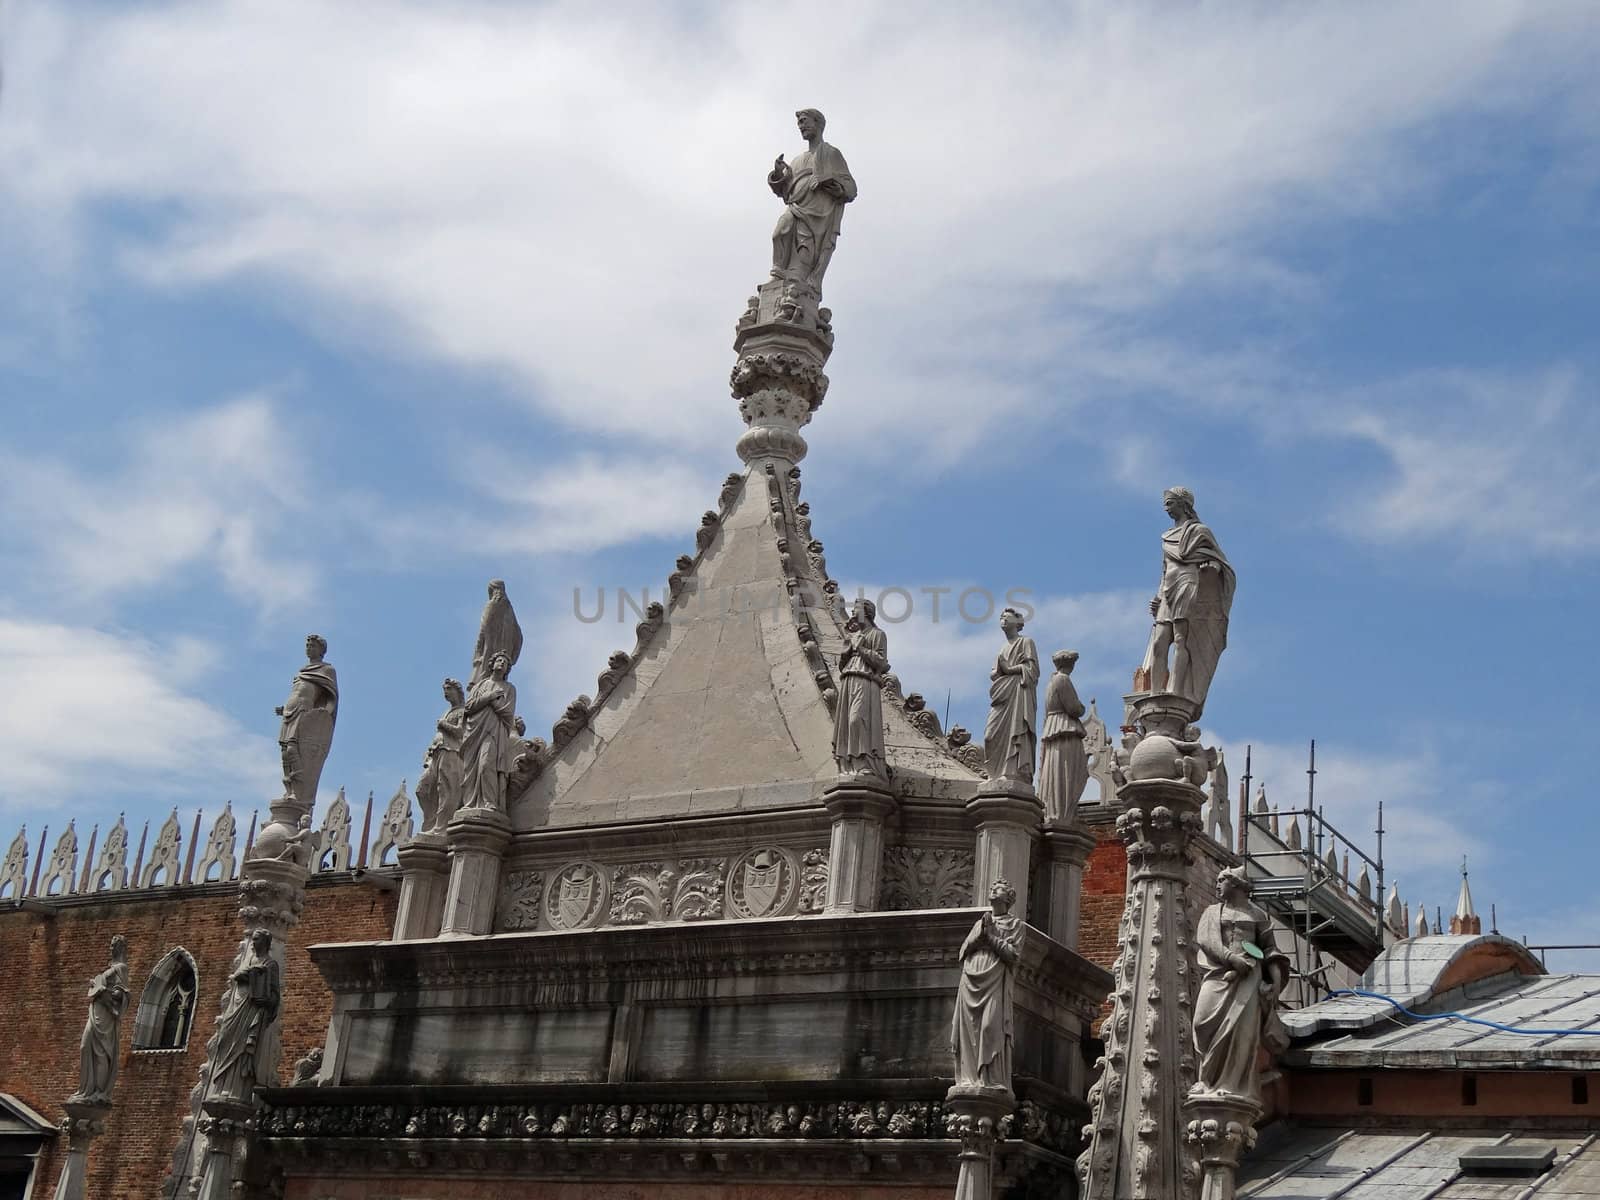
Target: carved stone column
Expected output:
[1066,851]
[478,838]
[979,1117]
[778,378]
[1135,1140]
[1008,814]
[424,880]
[84,1123]
[271,894]
[224,1125]
[1221,1129]
[857,807]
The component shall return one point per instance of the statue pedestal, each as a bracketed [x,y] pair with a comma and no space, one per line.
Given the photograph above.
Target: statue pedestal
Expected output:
[857,805]
[1008,814]
[1066,851]
[975,1115]
[424,880]
[478,838]
[1135,1145]
[1221,1128]
[84,1123]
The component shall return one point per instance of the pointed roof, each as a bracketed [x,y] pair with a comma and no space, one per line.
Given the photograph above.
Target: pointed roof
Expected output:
[724,705]
[1464,909]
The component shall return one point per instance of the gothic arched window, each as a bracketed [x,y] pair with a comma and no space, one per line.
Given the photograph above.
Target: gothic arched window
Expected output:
[166,1007]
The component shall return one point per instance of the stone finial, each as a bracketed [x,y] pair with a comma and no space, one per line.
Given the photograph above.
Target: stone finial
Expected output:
[164,854]
[395,829]
[1193,600]
[110,869]
[1293,838]
[1364,882]
[1392,914]
[333,841]
[1261,808]
[1420,929]
[14,872]
[63,868]
[1465,919]
[219,847]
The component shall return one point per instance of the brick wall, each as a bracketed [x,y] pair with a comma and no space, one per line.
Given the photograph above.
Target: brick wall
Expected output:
[46,963]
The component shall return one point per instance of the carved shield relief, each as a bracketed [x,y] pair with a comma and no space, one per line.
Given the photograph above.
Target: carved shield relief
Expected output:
[576,897]
[763,883]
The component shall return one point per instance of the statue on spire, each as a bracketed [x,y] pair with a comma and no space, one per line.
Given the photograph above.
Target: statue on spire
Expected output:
[814,189]
[1190,607]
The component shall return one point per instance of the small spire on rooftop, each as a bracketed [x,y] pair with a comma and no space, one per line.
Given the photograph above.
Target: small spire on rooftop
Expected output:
[1466,919]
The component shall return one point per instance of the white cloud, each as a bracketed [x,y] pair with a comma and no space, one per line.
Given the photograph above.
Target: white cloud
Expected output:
[535,189]
[90,714]
[217,490]
[1504,463]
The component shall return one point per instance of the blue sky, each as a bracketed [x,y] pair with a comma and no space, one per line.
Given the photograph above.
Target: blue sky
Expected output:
[316,316]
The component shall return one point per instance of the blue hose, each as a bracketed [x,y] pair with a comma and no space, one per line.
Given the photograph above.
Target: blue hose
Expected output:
[1455,1016]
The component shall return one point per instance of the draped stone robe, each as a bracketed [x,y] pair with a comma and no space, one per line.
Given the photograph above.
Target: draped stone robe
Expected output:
[306,734]
[252,1006]
[1064,764]
[808,229]
[1201,598]
[858,721]
[486,748]
[1012,729]
[98,1052]
[1235,1012]
[439,786]
[981,1030]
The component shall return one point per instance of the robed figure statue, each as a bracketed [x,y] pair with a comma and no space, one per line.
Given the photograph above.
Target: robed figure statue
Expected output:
[1242,974]
[308,715]
[1190,607]
[439,785]
[981,1031]
[858,716]
[254,994]
[814,190]
[1012,730]
[1063,760]
[498,633]
[99,1051]
[486,745]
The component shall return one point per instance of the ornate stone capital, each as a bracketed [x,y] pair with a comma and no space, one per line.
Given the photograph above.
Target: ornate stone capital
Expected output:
[272,893]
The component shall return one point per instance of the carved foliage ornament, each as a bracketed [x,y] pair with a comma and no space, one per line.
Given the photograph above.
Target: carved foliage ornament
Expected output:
[925,877]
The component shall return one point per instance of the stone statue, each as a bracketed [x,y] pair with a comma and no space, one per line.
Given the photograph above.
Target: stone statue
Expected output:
[486,743]
[1012,730]
[308,1068]
[1242,973]
[858,716]
[307,730]
[980,1033]
[1219,813]
[1064,762]
[254,993]
[99,1051]
[814,189]
[498,633]
[1190,607]
[439,785]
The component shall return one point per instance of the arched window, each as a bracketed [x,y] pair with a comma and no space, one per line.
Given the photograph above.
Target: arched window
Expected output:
[166,1007]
